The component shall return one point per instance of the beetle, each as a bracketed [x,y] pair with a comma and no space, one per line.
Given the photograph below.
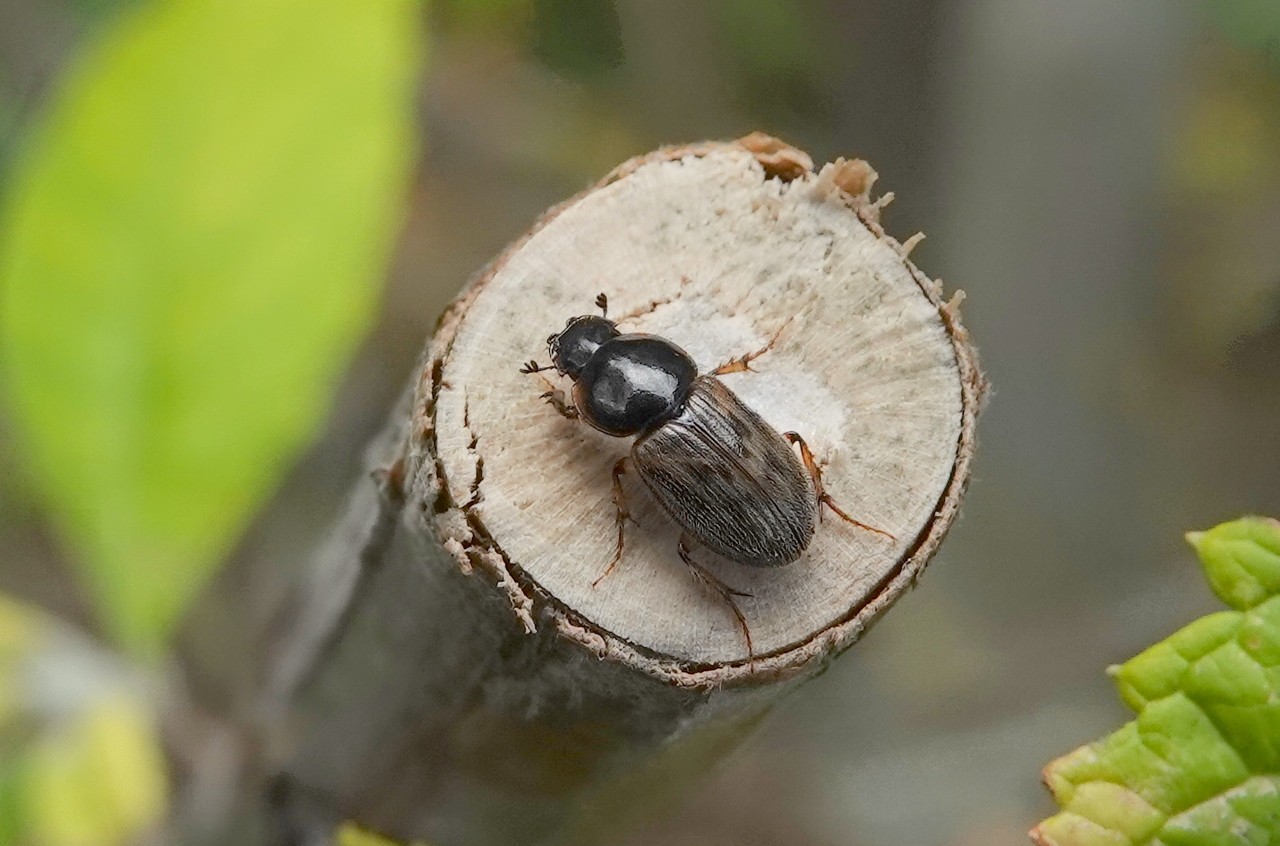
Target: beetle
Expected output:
[730,481]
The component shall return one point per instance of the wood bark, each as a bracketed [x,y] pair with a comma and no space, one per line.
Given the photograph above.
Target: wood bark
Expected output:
[445,671]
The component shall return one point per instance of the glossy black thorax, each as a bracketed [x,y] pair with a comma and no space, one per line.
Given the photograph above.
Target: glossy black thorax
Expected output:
[633,383]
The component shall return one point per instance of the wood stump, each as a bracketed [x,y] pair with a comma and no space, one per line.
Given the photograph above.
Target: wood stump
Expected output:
[448,672]
[699,246]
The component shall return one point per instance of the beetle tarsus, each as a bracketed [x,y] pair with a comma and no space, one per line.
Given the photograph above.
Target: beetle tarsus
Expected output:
[738,365]
[726,593]
[623,514]
[824,498]
[555,397]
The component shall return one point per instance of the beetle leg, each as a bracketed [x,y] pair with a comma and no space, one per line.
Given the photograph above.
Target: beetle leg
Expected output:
[555,397]
[727,593]
[824,498]
[622,516]
[742,363]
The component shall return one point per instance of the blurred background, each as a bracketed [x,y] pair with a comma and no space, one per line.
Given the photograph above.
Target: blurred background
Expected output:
[1102,179]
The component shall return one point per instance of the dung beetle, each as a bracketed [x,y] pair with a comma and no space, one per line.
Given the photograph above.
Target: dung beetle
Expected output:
[731,481]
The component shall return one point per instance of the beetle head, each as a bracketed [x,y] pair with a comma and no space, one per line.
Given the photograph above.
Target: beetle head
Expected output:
[573,347]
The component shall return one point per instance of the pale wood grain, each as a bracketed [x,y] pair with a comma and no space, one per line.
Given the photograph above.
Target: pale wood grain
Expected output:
[864,369]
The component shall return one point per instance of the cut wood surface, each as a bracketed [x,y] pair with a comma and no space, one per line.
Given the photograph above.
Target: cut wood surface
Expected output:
[446,670]
[706,251]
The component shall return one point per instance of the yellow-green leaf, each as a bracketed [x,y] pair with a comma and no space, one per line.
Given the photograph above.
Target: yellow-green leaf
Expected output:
[192,247]
[99,780]
[350,834]
[1200,766]
[80,756]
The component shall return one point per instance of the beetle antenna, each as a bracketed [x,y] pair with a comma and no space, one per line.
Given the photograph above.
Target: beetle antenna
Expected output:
[602,303]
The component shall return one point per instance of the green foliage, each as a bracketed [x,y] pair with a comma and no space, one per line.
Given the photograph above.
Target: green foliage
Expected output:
[581,39]
[85,769]
[769,36]
[482,9]
[192,247]
[778,51]
[1199,766]
[350,834]
[100,779]
[1253,23]
[10,799]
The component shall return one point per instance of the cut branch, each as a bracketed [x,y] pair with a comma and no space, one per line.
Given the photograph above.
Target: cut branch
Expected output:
[447,671]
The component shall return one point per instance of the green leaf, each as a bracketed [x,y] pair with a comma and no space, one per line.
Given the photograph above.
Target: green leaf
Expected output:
[1252,23]
[1200,766]
[84,766]
[350,834]
[191,251]
[10,799]
[770,36]
[99,780]
[580,39]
